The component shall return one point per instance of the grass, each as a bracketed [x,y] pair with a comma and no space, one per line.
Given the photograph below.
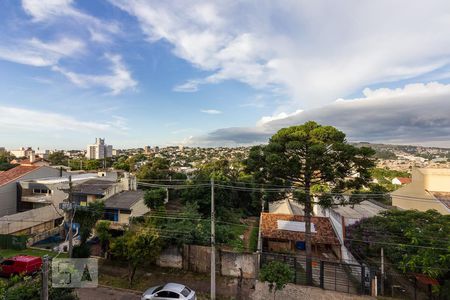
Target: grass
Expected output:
[253,244]
[237,243]
[5,253]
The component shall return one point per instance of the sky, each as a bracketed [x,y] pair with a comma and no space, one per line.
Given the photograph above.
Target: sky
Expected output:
[221,73]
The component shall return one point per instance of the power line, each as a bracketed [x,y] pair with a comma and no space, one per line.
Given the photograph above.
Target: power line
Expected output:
[397,244]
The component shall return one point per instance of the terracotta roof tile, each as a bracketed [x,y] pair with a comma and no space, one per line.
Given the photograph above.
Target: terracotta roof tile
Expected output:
[15,173]
[324,230]
[404,180]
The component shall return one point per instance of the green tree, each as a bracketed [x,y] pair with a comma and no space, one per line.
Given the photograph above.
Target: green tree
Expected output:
[307,155]
[5,161]
[156,168]
[92,164]
[28,288]
[136,247]
[277,274]
[413,241]
[230,204]
[103,233]
[155,198]
[57,158]
[87,217]
[122,164]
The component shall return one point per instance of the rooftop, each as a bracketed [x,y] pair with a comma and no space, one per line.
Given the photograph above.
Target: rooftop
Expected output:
[15,173]
[93,187]
[443,197]
[324,231]
[365,209]
[124,200]
[29,218]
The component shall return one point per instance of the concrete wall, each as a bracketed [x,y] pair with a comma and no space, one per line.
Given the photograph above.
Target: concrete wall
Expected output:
[170,258]
[236,264]
[299,292]
[198,259]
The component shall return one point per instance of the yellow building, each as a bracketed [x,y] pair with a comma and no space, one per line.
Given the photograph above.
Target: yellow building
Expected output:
[429,189]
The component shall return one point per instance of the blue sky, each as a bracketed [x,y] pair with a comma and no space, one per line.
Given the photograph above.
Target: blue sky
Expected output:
[220,73]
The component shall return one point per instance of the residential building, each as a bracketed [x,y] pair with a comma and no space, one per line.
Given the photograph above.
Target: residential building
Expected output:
[22,152]
[429,189]
[120,207]
[9,187]
[102,187]
[286,233]
[36,193]
[99,150]
[31,160]
[343,216]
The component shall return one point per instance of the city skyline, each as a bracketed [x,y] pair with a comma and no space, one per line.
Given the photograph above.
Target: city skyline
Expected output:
[212,74]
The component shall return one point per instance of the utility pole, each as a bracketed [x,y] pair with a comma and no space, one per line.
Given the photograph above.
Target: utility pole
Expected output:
[382,272]
[44,292]
[70,217]
[213,244]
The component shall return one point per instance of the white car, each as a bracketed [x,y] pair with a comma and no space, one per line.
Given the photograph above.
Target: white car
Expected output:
[169,291]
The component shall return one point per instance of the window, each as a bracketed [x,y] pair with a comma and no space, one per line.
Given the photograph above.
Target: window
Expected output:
[185,292]
[8,262]
[41,191]
[168,294]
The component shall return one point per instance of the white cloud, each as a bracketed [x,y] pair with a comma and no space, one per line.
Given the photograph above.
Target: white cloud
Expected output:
[37,53]
[279,116]
[416,113]
[60,10]
[188,87]
[313,51]
[211,111]
[119,80]
[28,120]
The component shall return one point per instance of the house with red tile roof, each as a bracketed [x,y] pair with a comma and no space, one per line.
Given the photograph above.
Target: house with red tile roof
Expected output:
[9,187]
[286,233]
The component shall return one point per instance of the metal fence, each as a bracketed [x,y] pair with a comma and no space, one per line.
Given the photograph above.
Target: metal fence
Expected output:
[329,275]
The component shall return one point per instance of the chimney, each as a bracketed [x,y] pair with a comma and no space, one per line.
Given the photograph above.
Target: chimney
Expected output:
[32,157]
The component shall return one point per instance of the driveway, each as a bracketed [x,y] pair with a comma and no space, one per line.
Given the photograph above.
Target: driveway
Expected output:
[102,293]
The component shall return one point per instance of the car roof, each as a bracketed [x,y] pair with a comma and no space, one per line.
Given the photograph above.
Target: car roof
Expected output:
[24,258]
[174,287]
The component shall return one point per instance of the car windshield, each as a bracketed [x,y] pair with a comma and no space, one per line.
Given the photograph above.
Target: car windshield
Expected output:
[185,292]
[157,289]
[8,262]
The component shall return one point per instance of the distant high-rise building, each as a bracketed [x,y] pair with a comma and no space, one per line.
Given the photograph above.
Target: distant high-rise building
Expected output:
[99,150]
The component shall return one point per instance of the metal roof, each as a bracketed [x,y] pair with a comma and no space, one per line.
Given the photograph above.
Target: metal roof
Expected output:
[124,200]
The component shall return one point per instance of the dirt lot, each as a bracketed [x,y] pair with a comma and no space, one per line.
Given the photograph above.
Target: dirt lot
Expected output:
[113,274]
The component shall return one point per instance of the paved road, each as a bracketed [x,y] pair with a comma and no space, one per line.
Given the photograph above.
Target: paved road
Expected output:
[102,293]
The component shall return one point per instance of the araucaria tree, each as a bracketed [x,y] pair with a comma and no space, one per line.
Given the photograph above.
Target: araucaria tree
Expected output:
[308,156]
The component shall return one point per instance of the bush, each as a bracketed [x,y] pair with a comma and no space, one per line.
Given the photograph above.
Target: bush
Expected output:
[81,251]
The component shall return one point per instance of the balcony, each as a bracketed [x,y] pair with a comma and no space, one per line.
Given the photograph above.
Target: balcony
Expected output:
[37,198]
